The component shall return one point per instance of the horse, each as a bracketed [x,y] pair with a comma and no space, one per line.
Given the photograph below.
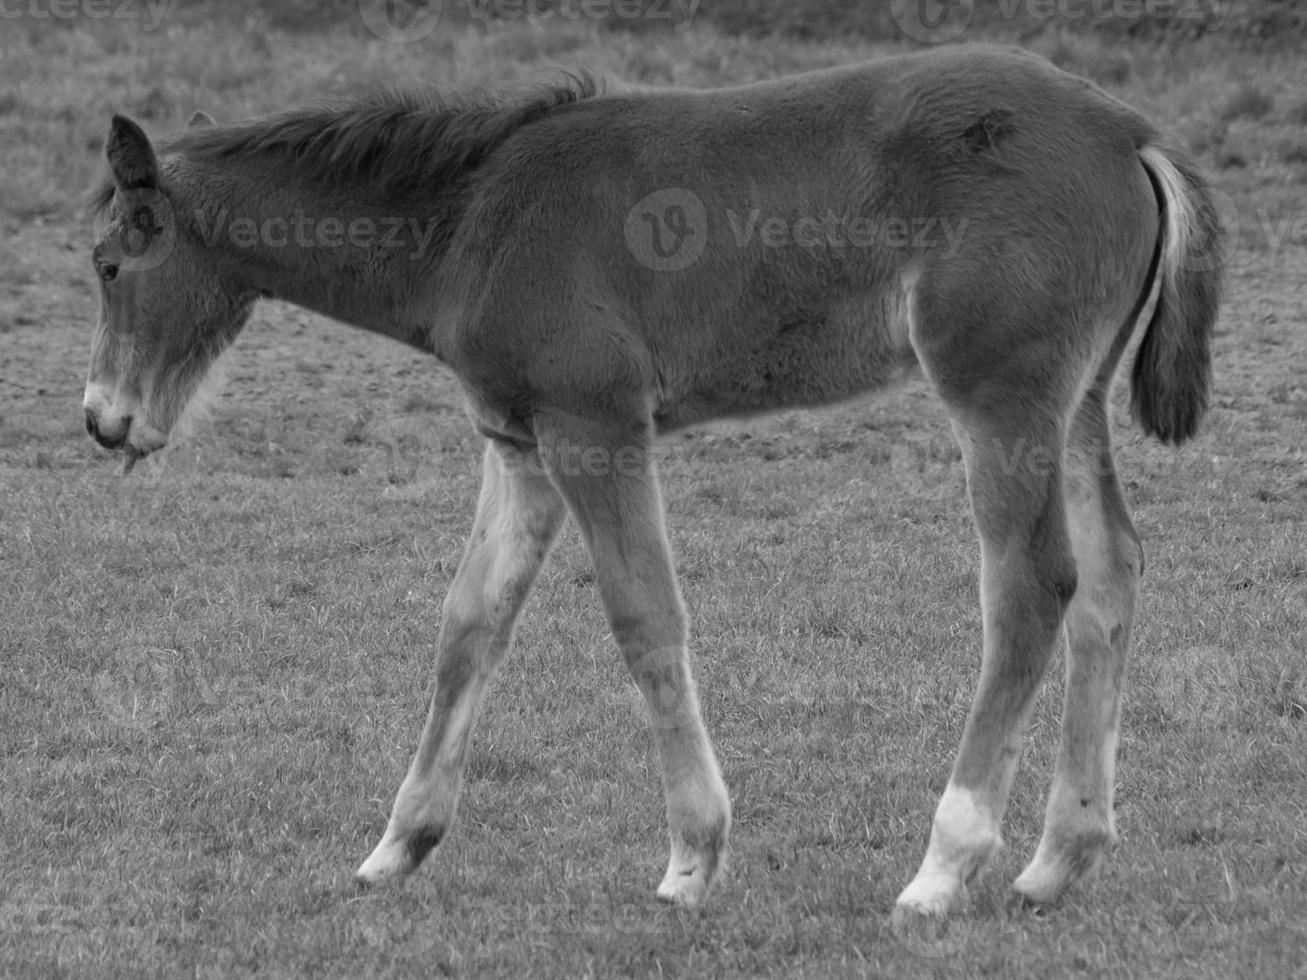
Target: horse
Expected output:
[601,265]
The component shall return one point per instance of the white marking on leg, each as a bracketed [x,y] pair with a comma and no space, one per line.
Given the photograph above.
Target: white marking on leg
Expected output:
[698,807]
[699,820]
[428,798]
[963,837]
[621,518]
[1078,822]
[517,518]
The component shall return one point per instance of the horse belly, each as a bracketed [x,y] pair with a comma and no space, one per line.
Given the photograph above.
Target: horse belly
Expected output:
[827,353]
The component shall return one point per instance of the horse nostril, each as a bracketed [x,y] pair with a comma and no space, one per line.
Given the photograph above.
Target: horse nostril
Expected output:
[109,440]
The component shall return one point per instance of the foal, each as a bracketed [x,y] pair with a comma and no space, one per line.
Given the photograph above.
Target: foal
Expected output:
[598,268]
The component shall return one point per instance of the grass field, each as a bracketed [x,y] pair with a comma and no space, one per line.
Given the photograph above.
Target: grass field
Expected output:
[213,672]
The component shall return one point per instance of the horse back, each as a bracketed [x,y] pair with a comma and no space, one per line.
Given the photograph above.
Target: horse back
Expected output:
[746,249]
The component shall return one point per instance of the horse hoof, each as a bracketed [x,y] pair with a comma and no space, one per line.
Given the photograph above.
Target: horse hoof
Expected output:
[684,887]
[392,858]
[932,896]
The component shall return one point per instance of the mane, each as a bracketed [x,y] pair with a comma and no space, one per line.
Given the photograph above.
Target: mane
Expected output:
[393,140]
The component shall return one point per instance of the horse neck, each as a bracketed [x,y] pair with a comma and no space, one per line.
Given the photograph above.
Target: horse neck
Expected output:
[337,250]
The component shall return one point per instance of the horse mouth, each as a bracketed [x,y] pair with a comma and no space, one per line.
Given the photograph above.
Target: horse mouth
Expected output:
[132,456]
[142,440]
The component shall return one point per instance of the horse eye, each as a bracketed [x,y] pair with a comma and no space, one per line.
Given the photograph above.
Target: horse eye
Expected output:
[108,272]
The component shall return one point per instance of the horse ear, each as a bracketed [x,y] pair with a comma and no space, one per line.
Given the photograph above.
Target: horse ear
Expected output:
[200,119]
[131,158]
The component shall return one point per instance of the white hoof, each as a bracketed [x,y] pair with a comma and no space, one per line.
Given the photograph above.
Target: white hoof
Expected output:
[934,895]
[1041,884]
[1060,863]
[697,859]
[1069,851]
[691,873]
[685,887]
[394,857]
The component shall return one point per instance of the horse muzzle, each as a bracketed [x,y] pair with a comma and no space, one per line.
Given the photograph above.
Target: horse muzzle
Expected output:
[119,426]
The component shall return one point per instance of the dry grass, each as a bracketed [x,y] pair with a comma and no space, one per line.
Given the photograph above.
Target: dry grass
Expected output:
[214,672]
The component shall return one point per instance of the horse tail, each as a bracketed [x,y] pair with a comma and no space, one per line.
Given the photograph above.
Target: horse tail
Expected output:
[1173,367]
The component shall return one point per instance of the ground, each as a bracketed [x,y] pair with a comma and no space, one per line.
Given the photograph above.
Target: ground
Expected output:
[215,670]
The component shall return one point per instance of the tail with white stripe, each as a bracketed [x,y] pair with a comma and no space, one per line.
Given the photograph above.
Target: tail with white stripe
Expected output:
[1172,370]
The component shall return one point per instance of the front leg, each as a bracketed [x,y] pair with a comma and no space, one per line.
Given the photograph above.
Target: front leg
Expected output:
[518,517]
[607,477]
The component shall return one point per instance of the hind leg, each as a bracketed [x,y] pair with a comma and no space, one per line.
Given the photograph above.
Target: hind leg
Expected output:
[1013,458]
[605,473]
[1078,825]
[518,517]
